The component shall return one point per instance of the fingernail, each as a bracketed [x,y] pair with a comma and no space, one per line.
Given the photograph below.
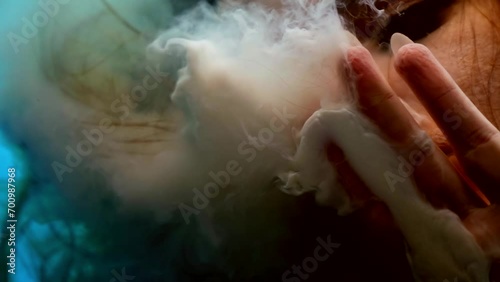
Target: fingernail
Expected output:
[352,39]
[345,64]
[399,40]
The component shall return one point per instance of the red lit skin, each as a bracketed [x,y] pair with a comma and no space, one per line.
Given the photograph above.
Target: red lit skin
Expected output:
[475,142]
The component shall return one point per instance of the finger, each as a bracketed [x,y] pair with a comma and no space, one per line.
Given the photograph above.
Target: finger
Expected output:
[475,139]
[377,100]
[434,175]
[464,125]
[348,178]
[413,105]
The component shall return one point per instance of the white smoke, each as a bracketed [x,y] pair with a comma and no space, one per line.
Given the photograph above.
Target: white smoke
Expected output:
[243,66]
[247,78]
[248,61]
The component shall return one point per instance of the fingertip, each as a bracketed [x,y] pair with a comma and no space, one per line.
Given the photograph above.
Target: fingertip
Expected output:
[352,39]
[376,99]
[358,58]
[399,40]
[406,57]
[357,52]
[411,58]
[418,67]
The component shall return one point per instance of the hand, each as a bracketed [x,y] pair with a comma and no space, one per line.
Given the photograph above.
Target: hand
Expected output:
[476,144]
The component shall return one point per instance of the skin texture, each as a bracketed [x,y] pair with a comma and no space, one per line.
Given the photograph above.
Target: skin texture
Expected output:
[380,103]
[453,72]
[448,85]
[467,46]
[433,83]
